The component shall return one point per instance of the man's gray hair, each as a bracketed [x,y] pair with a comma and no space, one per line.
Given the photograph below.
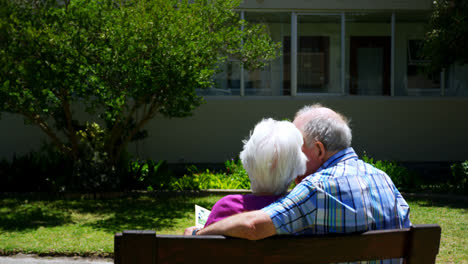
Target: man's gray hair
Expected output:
[273,157]
[332,130]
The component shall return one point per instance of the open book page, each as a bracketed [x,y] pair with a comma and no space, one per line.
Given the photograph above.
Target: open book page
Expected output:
[201,215]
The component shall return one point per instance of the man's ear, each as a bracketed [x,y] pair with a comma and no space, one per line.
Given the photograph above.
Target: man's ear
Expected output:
[321,152]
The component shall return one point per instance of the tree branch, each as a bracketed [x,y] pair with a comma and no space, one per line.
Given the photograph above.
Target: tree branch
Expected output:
[146,117]
[70,128]
[118,127]
[37,119]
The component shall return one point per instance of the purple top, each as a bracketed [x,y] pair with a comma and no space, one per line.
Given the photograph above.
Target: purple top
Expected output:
[238,203]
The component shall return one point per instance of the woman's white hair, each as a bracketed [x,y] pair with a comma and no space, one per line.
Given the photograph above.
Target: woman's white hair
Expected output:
[273,157]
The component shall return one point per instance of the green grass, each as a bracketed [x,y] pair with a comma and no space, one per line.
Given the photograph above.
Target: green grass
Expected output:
[86,227]
[452,216]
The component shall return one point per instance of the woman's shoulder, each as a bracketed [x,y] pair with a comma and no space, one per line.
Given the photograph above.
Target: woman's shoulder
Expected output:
[229,199]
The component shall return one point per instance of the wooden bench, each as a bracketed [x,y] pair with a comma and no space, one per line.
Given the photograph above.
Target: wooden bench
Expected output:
[417,245]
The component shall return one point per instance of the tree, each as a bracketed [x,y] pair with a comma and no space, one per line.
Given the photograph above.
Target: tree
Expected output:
[447,40]
[123,62]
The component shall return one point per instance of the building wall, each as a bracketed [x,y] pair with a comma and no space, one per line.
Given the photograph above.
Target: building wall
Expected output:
[338,4]
[395,128]
[408,129]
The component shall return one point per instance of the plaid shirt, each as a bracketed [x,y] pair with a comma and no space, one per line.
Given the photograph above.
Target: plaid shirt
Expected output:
[345,195]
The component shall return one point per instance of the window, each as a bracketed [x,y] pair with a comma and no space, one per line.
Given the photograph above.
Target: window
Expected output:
[312,64]
[233,79]
[269,80]
[318,53]
[369,61]
[419,81]
[356,53]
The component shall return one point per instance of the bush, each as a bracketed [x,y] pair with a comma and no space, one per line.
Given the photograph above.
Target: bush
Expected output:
[402,178]
[459,179]
[47,170]
[235,177]
[148,175]
[38,171]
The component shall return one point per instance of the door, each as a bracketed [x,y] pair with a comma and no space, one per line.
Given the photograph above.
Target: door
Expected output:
[370,65]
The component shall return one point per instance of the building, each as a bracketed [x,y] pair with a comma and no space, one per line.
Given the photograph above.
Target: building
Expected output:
[359,57]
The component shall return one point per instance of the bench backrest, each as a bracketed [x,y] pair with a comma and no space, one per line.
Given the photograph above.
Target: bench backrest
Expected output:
[417,245]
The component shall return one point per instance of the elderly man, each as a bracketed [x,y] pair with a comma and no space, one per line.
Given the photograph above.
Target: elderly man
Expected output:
[338,194]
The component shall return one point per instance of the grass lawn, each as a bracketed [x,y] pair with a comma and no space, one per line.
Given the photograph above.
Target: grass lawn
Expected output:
[86,227]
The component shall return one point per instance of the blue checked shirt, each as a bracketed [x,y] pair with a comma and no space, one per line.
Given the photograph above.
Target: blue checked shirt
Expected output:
[345,195]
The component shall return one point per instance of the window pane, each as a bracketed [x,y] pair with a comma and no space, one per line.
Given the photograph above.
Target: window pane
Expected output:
[318,54]
[269,80]
[369,57]
[419,81]
[410,78]
[369,47]
[457,80]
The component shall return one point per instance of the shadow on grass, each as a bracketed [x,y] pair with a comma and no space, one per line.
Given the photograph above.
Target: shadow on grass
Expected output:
[109,215]
[456,202]
[21,214]
[142,213]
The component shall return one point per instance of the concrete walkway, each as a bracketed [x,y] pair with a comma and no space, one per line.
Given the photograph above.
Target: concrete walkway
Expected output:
[32,259]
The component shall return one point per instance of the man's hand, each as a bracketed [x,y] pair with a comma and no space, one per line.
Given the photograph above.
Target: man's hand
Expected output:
[189,230]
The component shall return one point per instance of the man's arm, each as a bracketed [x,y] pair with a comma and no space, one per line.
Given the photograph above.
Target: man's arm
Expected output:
[252,225]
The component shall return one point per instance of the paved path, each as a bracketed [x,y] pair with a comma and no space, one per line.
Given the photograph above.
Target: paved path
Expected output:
[31,259]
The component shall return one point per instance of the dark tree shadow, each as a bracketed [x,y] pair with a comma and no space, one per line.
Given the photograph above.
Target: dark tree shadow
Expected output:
[143,213]
[456,202]
[118,214]
[21,216]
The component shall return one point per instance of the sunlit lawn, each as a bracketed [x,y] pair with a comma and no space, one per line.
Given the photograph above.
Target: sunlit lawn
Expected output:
[86,227]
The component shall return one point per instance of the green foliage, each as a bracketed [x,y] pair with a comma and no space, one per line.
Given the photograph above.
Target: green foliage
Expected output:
[447,38]
[459,179]
[234,178]
[148,175]
[236,171]
[402,178]
[47,170]
[122,62]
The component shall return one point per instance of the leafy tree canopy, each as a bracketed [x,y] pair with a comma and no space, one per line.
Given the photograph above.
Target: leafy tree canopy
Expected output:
[447,41]
[123,61]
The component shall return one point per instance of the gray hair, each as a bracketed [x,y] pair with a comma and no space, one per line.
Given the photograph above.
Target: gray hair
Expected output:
[273,157]
[331,129]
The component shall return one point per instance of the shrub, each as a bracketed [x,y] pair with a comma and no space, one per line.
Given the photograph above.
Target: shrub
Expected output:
[149,175]
[38,171]
[459,179]
[400,175]
[235,177]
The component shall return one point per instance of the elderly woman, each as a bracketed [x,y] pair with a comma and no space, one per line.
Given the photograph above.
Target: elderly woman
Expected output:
[272,158]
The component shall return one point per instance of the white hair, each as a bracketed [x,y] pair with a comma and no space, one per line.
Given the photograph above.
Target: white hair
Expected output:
[332,130]
[273,157]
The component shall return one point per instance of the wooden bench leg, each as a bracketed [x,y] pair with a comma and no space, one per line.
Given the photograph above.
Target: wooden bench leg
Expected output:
[135,247]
